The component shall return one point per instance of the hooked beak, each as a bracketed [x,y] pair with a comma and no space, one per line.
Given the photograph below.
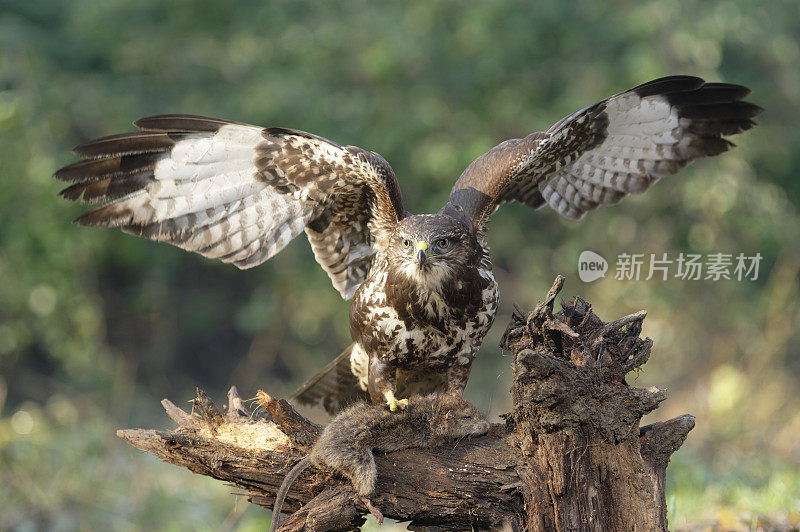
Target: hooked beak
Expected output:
[422,257]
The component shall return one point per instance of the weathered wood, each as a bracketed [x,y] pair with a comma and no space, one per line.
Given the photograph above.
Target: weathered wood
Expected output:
[300,430]
[571,455]
[657,442]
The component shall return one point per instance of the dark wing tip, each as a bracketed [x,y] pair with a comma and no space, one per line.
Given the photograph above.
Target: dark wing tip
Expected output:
[710,109]
[88,220]
[709,146]
[109,215]
[72,193]
[89,170]
[740,90]
[682,90]
[734,110]
[89,149]
[184,123]
[125,144]
[668,84]
[72,172]
[709,93]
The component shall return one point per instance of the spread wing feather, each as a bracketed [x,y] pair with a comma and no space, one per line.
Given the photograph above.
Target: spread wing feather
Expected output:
[238,193]
[602,153]
[335,386]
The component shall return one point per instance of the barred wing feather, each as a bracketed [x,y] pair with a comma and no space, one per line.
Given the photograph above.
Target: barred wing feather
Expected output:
[602,153]
[236,192]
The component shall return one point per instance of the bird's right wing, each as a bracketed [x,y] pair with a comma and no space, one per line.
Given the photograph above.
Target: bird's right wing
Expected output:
[238,193]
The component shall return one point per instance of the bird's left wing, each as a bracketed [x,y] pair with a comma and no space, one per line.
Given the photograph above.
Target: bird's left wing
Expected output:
[602,153]
[238,193]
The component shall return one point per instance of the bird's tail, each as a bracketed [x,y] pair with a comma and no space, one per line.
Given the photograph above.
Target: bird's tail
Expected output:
[335,386]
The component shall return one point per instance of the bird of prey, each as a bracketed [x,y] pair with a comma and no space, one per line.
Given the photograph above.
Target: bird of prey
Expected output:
[422,286]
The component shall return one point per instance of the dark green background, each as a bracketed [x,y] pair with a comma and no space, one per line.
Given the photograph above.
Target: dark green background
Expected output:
[97,326]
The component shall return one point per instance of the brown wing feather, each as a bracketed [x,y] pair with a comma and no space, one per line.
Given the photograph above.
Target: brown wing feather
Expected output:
[600,154]
[237,192]
[335,385]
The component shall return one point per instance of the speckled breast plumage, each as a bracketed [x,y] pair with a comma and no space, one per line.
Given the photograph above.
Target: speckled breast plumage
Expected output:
[421,333]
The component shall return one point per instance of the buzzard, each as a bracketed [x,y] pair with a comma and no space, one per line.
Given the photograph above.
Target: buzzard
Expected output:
[422,286]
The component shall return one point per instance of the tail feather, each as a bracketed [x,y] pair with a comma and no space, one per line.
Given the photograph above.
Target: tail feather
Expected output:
[335,386]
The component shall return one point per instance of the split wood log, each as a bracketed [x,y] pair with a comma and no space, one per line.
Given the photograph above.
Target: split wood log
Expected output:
[570,455]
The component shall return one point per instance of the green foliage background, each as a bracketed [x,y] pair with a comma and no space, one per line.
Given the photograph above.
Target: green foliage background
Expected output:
[96,326]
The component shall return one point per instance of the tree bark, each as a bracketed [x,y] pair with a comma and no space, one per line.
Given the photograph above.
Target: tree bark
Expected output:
[570,455]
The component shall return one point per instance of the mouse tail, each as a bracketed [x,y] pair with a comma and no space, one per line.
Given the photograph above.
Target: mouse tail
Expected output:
[295,472]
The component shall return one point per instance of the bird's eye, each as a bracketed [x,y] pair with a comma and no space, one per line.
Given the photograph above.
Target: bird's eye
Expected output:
[406,243]
[442,243]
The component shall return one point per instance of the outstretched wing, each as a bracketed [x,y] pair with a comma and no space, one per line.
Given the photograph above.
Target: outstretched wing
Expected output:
[602,153]
[238,193]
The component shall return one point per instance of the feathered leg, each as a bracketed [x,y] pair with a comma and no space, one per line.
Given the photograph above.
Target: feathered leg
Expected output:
[383,383]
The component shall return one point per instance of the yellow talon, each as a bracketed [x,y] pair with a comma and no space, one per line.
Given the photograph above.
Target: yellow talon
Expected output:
[393,402]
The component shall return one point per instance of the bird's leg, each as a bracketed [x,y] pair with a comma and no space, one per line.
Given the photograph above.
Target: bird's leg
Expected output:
[458,374]
[382,384]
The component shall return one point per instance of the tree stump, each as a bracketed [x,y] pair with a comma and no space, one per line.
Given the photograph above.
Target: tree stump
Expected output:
[570,455]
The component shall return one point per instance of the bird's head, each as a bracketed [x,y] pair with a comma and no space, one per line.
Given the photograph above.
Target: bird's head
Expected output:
[431,248]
